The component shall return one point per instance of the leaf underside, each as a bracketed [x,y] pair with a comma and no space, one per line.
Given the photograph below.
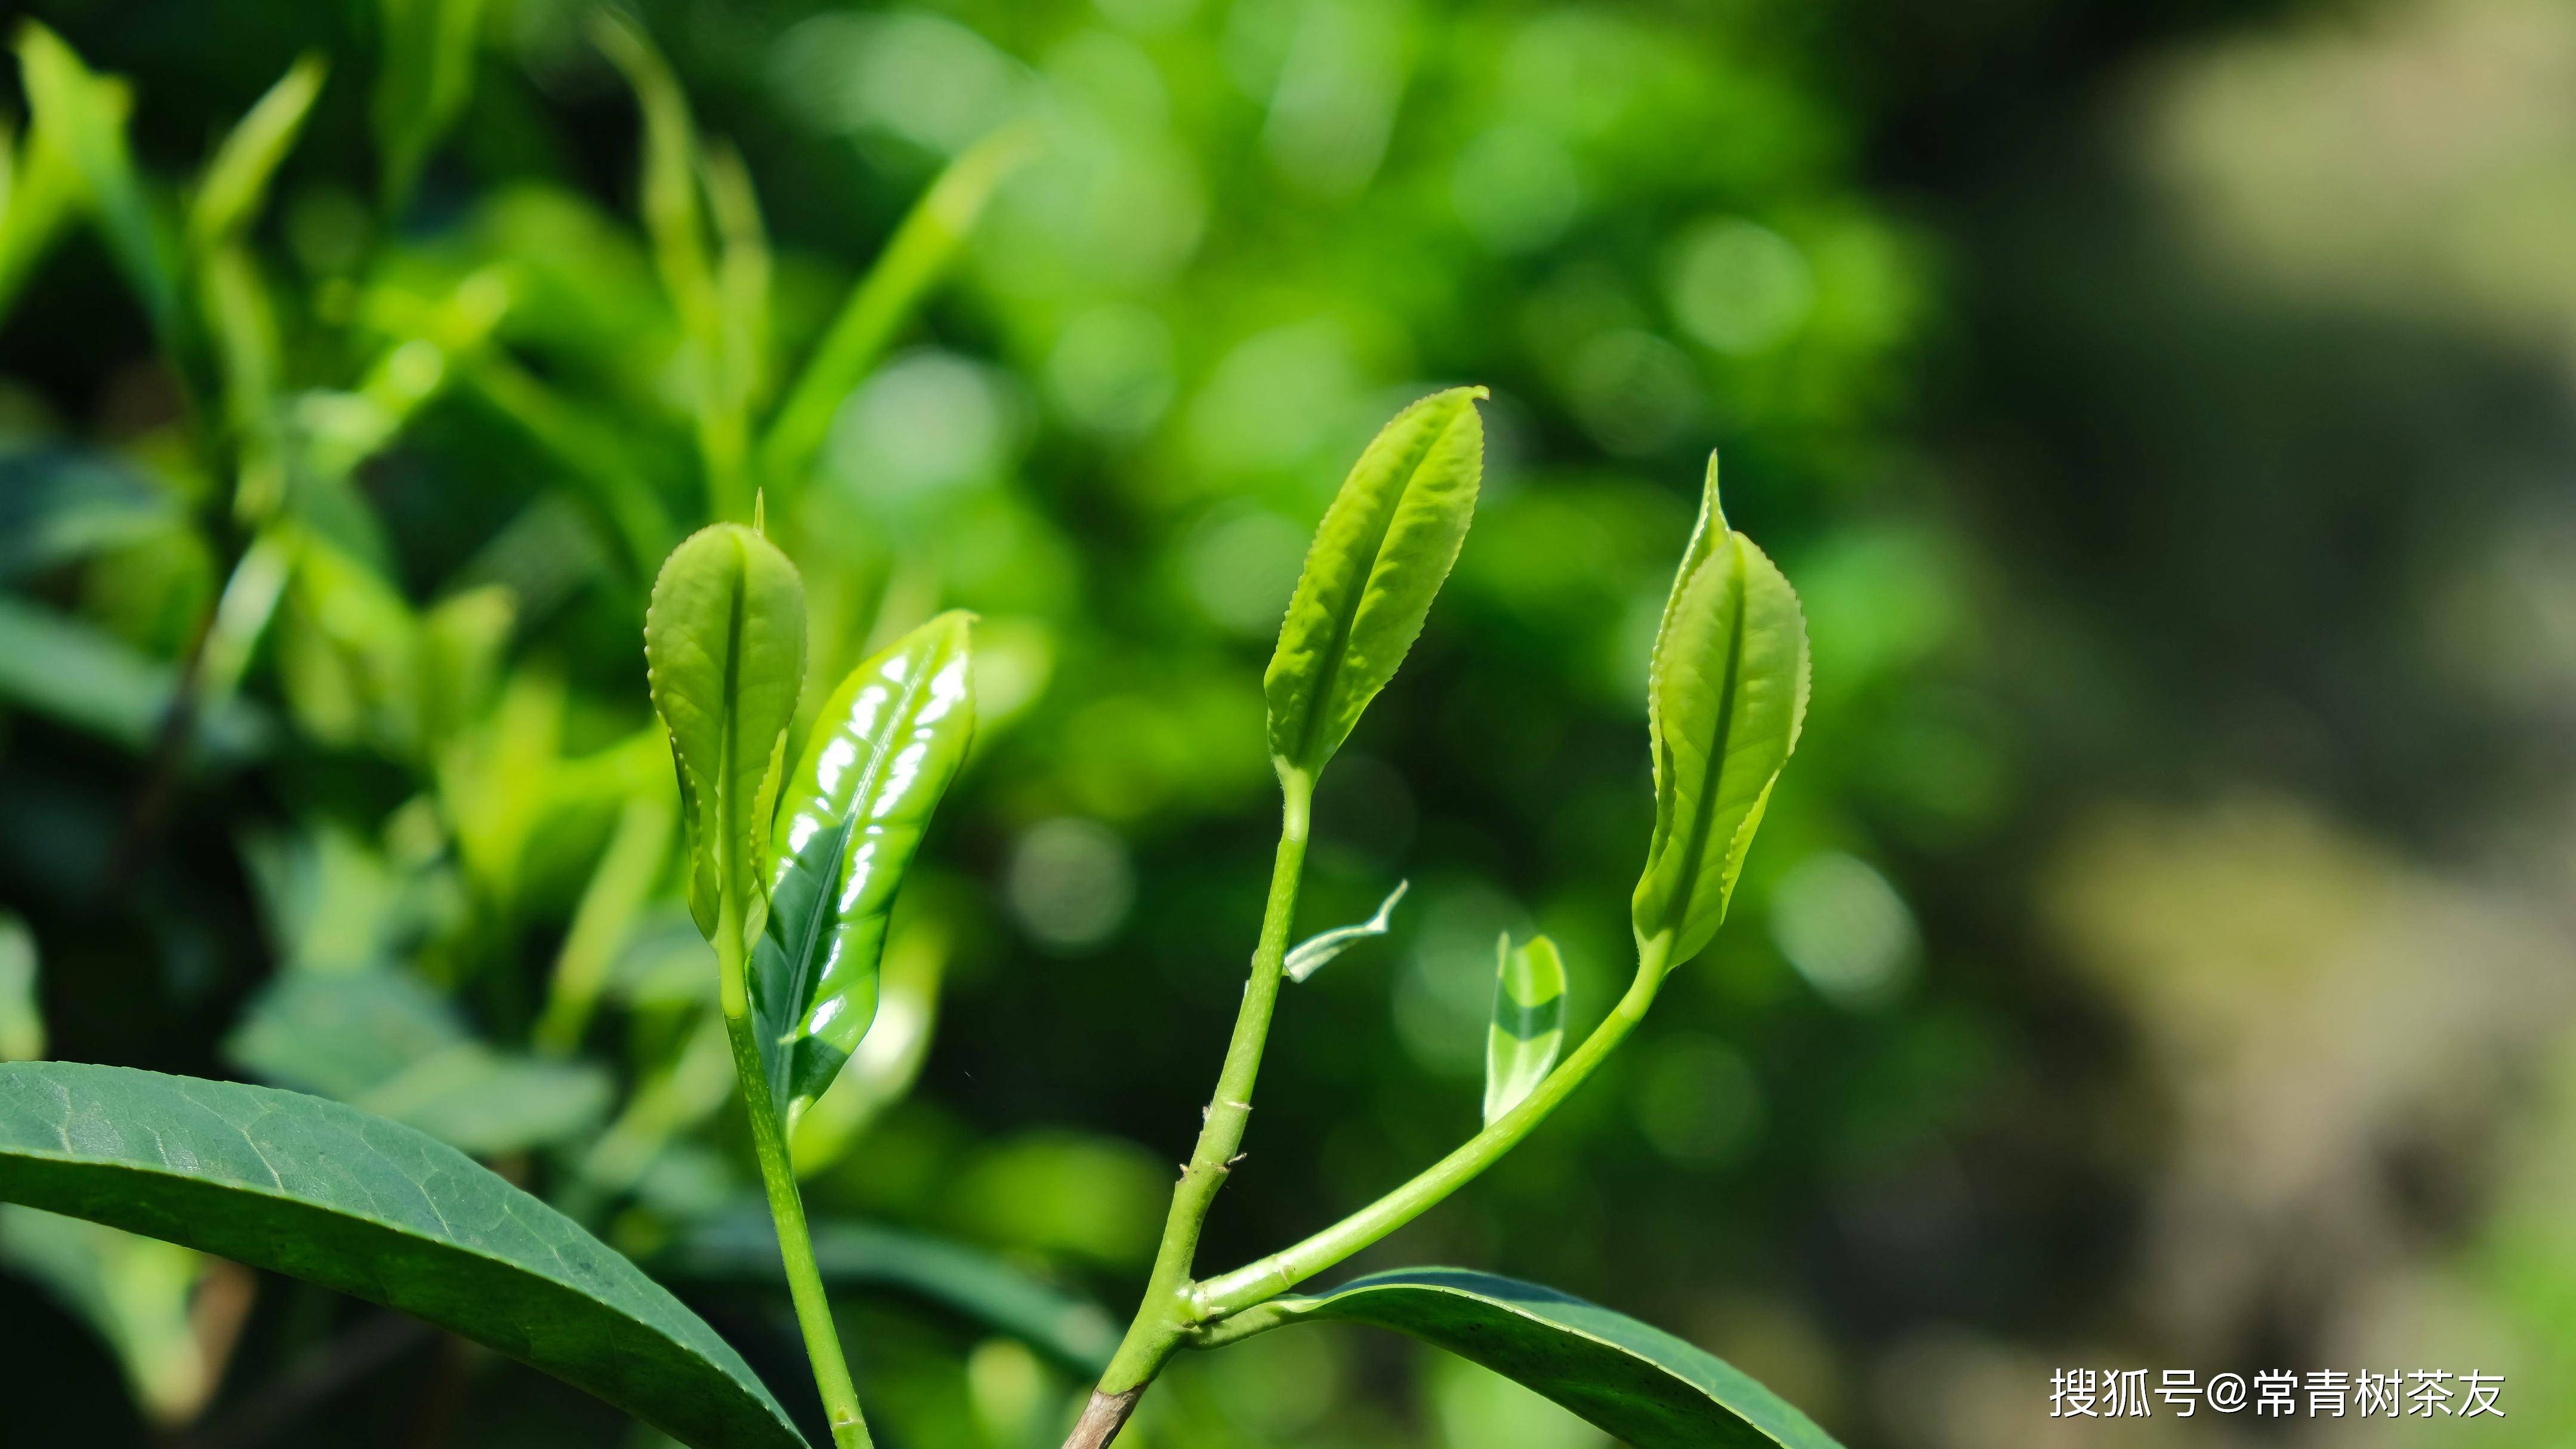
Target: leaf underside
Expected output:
[324,1192]
[1317,951]
[1632,1380]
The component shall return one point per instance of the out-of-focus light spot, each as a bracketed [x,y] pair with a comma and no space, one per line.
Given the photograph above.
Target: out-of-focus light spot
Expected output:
[1444,999]
[1275,398]
[1111,370]
[1697,1102]
[1634,391]
[1070,883]
[1516,188]
[928,80]
[1010,1390]
[1241,567]
[1845,929]
[1738,287]
[926,421]
[1335,101]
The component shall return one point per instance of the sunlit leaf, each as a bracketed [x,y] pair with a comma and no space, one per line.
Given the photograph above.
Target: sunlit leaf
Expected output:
[983,1290]
[424,75]
[1379,557]
[84,114]
[237,179]
[41,189]
[890,1056]
[1650,1389]
[321,1191]
[1529,1022]
[884,747]
[724,647]
[1312,954]
[1725,697]
[619,888]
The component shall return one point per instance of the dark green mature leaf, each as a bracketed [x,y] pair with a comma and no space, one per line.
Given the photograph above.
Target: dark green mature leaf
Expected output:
[1528,1025]
[884,748]
[1380,555]
[724,645]
[976,1286]
[324,1192]
[1726,695]
[1638,1382]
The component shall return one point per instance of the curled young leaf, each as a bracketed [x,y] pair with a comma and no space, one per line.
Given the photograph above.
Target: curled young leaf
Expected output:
[1310,955]
[1380,555]
[724,646]
[1529,1022]
[884,748]
[1726,695]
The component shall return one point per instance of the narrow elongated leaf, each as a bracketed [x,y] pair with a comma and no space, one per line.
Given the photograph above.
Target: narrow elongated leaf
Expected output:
[884,748]
[1312,954]
[1726,695]
[83,113]
[1643,1385]
[425,78]
[1380,555]
[1529,1022]
[976,1286]
[324,1192]
[41,188]
[886,297]
[724,645]
[60,504]
[74,672]
[238,176]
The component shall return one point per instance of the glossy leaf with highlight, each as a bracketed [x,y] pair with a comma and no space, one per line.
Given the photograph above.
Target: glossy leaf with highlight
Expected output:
[1317,951]
[1379,557]
[1726,694]
[884,747]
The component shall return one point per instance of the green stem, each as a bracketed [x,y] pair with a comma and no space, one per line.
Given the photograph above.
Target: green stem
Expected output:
[786,1205]
[1164,1320]
[1231,1293]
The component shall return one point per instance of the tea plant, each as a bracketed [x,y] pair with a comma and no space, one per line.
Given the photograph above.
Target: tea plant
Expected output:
[798,811]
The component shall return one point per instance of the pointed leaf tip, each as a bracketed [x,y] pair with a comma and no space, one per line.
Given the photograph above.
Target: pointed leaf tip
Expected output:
[1312,954]
[1726,698]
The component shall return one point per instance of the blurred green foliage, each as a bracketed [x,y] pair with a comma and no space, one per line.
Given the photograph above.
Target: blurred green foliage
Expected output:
[1071,314]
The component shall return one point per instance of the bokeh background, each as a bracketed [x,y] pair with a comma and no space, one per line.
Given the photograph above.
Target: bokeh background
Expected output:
[2156,956]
